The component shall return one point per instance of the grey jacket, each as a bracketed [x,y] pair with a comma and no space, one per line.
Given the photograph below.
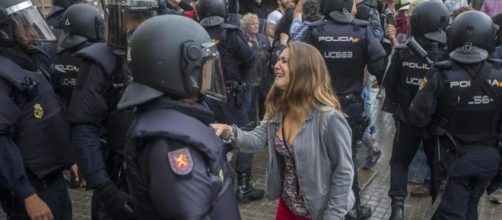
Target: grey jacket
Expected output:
[323,158]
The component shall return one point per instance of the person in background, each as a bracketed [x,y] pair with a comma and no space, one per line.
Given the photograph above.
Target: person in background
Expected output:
[306,12]
[466,121]
[453,5]
[256,77]
[275,16]
[237,59]
[491,7]
[310,168]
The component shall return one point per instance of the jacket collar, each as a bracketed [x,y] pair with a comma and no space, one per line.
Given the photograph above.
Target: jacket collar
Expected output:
[277,119]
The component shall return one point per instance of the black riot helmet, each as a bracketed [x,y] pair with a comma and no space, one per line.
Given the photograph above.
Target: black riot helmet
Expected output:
[82,22]
[21,23]
[179,59]
[471,37]
[212,12]
[338,10]
[430,19]
[123,16]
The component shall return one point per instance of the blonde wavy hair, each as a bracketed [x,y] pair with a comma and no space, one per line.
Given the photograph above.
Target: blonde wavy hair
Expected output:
[309,85]
[248,19]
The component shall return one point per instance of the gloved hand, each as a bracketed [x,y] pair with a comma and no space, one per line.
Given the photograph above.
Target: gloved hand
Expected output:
[117,202]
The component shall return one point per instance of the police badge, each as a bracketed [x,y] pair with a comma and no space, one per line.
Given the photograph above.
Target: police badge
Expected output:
[38,111]
[181,161]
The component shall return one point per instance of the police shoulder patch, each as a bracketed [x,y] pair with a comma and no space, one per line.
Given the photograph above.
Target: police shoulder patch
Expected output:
[181,161]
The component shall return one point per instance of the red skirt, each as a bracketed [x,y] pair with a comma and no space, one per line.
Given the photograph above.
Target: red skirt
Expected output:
[283,213]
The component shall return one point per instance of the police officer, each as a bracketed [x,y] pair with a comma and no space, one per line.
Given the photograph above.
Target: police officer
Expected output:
[462,101]
[348,45]
[237,58]
[55,17]
[34,136]
[83,27]
[96,122]
[428,23]
[176,166]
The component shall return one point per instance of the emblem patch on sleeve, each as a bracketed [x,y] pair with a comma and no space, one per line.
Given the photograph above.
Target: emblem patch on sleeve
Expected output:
[181,161]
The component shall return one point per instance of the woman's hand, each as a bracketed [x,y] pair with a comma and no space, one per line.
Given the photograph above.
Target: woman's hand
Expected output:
[222,130]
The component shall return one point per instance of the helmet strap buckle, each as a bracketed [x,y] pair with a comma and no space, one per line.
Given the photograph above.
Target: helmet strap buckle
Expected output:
[467,47]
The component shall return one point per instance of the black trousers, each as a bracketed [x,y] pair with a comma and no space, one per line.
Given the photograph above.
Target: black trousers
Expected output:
[469,177]
[53,191]
[353,107]
[406,143]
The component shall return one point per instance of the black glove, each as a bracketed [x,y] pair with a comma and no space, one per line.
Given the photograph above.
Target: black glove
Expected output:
[117,202]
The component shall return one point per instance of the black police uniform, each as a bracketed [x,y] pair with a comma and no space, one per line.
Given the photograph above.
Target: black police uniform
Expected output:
[466,127]
[55,17]
[34,138]
[95,121]
[462,103]
[163,153]
[83,27]
[237,58]
[347,47]
[66,69]
[176,165]
[403,79]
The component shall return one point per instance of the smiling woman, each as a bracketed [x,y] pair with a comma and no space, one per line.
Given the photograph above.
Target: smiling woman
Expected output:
[310,168]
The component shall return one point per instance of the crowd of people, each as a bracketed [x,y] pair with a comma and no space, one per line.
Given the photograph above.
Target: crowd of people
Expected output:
[145,102]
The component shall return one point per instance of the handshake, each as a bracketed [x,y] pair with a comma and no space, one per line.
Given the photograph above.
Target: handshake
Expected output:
[223,131]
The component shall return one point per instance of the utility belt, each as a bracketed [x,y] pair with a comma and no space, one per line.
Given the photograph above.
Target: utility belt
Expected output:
[40,184]
[350,98]
[236,92]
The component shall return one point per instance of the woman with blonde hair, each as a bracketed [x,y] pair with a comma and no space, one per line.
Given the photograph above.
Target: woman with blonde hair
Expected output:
[310,166]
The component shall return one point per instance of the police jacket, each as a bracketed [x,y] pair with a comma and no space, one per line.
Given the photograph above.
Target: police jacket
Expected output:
[237,57]
[261,68]
[459,105]
[92,112]
[323,161]
[347,48]
[176,166]
[33,131]
[67,68]
[403,78]
[55,18]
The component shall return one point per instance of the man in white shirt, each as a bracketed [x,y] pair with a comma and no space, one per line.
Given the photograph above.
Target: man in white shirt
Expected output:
[275,16]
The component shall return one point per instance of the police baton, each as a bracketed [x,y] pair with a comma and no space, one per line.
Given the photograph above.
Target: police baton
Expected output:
[413,45]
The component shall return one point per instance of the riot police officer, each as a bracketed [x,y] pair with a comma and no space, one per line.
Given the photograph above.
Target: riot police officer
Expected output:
[348,45]
[34,136]
[237,59]
[83,27]
[96,122]
[428,23]
[461,99]
[55,17]
[176,166]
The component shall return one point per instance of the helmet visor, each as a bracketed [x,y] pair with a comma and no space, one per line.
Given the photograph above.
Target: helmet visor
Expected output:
[30,25]
[122,18]
[212,85]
